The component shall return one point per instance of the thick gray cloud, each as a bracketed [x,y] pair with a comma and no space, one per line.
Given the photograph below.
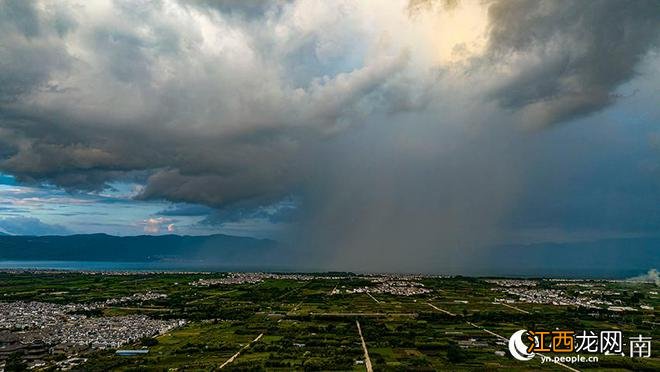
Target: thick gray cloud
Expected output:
[30,50]
[200,102]
[424,200]
[242,105]
[185,210]
[568,57]
[252,9]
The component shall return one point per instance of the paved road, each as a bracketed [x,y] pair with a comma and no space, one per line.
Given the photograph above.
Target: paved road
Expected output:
[498,336]
[487,331]
[367,361]
[239,352]
[410,315]
[514,308]
[439,309]
[373,298]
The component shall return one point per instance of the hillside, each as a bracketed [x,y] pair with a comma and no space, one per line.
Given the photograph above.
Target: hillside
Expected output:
[102,247]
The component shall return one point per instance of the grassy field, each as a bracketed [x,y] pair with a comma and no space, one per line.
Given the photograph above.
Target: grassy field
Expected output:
[305,327]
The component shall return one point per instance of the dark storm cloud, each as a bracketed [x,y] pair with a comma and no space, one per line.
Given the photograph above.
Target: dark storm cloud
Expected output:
[583,187]
[185,210]
[29,53]
[156,91]
[389,206]
[150,92]
[242,8]
[283,211]
[569,57]
[22,16]
[240,105]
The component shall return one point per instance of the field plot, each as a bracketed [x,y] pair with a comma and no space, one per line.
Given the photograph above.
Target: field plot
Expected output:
[283,322]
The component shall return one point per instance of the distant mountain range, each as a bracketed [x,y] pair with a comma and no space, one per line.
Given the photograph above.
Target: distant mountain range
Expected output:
[225,249]
[602,258]
[599,258]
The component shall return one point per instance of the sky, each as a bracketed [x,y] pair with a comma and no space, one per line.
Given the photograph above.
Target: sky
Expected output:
[361,132]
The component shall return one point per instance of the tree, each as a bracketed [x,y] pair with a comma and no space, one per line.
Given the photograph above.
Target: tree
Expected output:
[15,363]
[455,354]
[636,297]
[148,341]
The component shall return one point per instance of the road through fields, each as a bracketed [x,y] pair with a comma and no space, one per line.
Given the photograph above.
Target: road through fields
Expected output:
[367,361]
[239,352]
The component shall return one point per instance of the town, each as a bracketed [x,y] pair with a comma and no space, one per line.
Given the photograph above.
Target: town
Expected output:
[584,294]
[302,321]
[40,329]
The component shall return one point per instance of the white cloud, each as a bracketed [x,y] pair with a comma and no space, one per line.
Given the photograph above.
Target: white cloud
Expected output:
[156,224]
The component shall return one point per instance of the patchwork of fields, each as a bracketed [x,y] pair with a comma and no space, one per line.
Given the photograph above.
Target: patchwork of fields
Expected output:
[310,324]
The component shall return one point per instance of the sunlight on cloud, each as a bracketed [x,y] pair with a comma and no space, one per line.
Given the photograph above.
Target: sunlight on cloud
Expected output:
[457,33]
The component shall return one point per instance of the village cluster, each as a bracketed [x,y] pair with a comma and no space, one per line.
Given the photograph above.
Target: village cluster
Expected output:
[400,285]
[38,329]
[587,295]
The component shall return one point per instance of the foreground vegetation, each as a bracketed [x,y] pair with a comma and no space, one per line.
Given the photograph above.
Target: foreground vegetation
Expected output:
[306,327]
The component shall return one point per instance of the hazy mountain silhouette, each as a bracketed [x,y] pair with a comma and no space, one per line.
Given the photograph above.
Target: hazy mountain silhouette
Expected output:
[102,247]
[600,258]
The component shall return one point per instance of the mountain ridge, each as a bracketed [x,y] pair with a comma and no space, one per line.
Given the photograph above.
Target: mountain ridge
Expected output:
[139,248]
[603,258]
